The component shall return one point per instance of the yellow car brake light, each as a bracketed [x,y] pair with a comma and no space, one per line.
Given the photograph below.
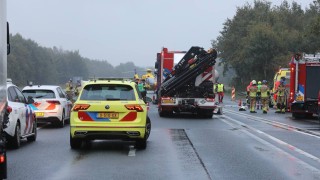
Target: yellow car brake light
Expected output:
[78,107]
[135,107]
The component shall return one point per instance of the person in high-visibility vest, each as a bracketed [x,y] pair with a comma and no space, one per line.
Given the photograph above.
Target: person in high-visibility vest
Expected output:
[220,91]
[253,96]
[77,88]
[69,89]
[69,85]
[215,88]
[281,108]
[247,97]
[142,89]
[265,93]
[259,104]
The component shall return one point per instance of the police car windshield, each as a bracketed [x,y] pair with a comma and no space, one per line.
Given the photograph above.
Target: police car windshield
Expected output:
[39,94]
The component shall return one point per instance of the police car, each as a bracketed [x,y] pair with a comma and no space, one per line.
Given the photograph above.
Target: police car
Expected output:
[50,103]
[110,108]
[22,122]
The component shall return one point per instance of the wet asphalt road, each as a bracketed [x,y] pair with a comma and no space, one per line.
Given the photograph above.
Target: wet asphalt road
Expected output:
[235,145]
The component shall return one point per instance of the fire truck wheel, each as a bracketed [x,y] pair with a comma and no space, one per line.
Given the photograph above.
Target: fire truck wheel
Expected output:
[297,115]
[164,113]
[309,115]
[209,114]
[161,113]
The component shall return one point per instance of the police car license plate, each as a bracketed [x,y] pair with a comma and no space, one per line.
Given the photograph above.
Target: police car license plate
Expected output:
[39,114]
[108,115]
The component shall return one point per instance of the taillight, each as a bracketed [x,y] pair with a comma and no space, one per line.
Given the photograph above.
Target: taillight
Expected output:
[53,102]
[9,109]
[2,158]
[291,96]
[210,99]
[78,107]
[135,107]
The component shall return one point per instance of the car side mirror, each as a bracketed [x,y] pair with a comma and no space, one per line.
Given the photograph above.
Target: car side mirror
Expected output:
[30,100]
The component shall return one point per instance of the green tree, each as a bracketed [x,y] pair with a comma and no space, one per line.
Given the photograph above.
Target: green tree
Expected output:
[260,38]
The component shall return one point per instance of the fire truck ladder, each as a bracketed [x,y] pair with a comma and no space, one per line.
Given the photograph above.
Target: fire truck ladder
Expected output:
[189,73]
[183,63]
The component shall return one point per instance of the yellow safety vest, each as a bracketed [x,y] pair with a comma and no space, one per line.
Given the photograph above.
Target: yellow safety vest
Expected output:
[68,87]
[253,91]
[281,90]
[264,91]
[259,87]
[215,87]
[220,87]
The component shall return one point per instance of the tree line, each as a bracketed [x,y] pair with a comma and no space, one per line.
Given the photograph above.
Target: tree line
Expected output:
[30,62]
[260,38]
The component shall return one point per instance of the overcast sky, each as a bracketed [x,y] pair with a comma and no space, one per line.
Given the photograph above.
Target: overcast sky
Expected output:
[123,30]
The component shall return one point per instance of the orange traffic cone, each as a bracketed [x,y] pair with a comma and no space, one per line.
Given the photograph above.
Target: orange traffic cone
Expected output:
[239,103]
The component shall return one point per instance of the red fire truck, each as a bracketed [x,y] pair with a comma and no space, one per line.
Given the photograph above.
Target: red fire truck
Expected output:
[185,82]
[304,84]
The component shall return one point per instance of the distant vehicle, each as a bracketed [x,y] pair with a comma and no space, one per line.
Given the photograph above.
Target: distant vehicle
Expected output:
[4,51]
[304,85]
[22,120]
[110,108]
[50,103]
[185,82]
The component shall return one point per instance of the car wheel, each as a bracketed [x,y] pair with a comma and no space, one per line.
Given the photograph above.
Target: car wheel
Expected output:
[75,143]
[141,144]
[16,140]
[161,113]
[148,128]
[209,114]
[34,131]
[61,123]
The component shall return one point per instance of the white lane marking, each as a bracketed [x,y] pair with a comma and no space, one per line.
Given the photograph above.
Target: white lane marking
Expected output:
[286,145]
[132,151]
[277,124]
